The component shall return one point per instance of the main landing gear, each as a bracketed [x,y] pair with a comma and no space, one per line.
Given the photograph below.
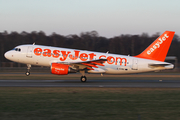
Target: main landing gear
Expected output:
[28,70]
[83,77]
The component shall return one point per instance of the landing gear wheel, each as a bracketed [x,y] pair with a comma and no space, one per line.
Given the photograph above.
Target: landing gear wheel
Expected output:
[27,73]
[83,78]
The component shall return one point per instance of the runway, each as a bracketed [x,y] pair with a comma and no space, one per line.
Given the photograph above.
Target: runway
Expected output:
[92,83]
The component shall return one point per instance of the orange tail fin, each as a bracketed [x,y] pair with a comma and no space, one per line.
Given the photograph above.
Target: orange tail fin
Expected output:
[159,48]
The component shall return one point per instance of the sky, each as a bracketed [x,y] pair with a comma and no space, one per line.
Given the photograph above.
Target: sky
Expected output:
[108,17]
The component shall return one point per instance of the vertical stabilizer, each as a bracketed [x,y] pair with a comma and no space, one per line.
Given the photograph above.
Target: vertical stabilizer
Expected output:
[159,48]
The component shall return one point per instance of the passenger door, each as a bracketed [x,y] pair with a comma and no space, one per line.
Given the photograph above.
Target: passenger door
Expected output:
[135,64]
[29,52]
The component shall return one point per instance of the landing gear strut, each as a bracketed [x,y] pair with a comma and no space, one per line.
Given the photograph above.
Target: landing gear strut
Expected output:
[83,77]
[28,70]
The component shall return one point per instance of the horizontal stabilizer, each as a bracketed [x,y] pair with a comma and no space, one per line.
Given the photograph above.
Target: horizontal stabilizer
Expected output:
[161,65]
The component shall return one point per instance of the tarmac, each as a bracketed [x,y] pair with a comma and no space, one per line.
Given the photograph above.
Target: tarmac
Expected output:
[93,83]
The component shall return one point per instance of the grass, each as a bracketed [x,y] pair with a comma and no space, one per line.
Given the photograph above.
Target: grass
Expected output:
[89,103]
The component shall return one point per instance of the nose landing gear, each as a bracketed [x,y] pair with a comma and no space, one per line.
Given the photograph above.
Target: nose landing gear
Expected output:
[28,70]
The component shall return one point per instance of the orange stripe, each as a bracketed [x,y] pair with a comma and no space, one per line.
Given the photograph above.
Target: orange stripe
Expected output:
[97,63]
[89,65]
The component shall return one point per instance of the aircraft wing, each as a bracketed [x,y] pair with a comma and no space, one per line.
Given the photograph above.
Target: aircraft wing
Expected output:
[81,65]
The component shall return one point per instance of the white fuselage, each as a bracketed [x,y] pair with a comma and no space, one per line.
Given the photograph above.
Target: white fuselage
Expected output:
[116,64]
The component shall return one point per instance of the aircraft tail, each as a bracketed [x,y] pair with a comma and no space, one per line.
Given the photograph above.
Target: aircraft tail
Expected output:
[159,48]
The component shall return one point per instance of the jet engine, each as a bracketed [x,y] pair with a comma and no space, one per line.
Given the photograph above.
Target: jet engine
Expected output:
[61,69]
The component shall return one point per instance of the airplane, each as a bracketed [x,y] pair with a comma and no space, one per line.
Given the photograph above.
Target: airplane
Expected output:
[63,61]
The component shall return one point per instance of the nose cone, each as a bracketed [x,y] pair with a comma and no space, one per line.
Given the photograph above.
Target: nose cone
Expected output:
[7,55]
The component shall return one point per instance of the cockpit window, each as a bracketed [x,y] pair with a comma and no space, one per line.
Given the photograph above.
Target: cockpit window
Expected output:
[17,49]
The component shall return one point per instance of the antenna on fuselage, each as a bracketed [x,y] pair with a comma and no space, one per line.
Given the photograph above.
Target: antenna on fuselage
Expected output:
[34,43]
[107,52]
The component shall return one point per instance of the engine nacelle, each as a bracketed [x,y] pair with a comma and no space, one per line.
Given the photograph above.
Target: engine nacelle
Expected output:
[61,69]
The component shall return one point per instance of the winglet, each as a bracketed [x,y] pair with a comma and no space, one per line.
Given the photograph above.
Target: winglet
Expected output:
[159,48]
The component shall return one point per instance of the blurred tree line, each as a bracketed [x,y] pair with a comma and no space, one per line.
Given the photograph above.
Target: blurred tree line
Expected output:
[122,44]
